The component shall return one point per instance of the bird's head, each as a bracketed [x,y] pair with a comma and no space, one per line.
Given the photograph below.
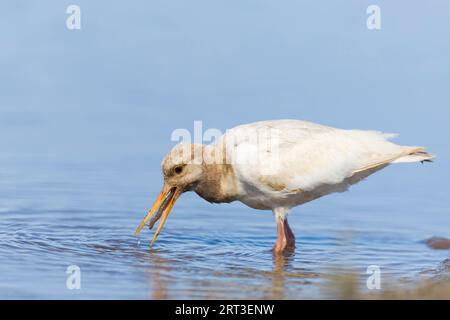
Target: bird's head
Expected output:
[182,169]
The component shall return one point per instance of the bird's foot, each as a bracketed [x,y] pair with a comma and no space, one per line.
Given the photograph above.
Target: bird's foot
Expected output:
[286,239]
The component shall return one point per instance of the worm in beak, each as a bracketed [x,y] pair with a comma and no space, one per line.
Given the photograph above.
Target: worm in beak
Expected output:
[164,203]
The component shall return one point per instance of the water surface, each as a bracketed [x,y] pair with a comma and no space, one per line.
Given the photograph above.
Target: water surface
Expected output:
[58,214]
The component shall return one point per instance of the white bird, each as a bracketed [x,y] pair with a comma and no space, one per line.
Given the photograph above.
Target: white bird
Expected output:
[276,165]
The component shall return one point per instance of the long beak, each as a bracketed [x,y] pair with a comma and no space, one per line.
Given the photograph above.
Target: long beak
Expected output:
[164,203]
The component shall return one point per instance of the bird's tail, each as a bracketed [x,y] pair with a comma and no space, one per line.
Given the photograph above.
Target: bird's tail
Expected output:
[414,154]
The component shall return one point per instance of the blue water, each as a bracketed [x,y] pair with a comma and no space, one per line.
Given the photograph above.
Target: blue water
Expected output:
[55,214]
[86,116]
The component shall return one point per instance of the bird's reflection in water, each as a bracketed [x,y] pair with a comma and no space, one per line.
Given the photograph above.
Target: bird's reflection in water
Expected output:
[159,282]
[168,278]
[280,262]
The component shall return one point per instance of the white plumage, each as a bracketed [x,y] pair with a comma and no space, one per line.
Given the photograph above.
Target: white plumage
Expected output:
[313,160]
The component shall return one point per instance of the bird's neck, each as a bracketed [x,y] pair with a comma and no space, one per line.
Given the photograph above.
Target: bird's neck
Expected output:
[219,183]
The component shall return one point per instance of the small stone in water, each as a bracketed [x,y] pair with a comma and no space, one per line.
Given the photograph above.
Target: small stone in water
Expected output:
[438,243]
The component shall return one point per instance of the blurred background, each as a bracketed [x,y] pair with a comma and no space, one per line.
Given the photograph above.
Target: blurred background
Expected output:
[86,116]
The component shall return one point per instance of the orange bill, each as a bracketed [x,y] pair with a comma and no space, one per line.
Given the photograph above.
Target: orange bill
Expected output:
[167,209]
[164,203]
[162,195]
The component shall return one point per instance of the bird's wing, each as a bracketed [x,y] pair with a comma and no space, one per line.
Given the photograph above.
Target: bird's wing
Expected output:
[294,156]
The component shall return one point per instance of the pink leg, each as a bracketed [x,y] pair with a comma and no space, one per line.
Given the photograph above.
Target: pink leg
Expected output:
[286,238]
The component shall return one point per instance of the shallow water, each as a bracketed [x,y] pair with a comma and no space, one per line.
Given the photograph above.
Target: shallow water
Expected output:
[55,214]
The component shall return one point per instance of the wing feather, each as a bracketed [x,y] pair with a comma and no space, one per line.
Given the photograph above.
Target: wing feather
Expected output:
[296,156]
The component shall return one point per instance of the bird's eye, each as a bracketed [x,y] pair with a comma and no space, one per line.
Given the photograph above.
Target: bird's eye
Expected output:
[178,170]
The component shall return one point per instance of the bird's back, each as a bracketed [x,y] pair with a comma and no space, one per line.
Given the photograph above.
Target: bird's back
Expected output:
[287,162]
